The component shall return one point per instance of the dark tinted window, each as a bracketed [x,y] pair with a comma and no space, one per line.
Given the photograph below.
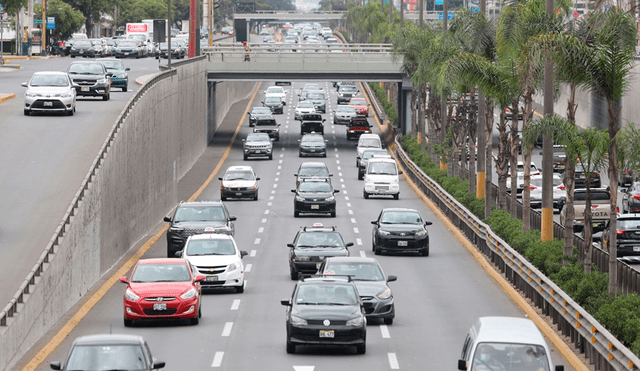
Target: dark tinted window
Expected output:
[199,213]
[595,196]
[106,357]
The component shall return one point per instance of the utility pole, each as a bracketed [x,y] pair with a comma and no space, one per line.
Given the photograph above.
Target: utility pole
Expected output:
[401,13]
[210,16]
[481,191]
[168,34]
[44,28]
[421,13]
[30,25]
[546,230]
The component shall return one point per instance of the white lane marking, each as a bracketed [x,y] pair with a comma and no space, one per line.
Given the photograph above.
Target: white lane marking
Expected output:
[264,220]
[270,198]
[345,197]
[353,220]
[337,161]
[280,167]
[253,253]
[393,361]
[273,192]
[348,204]
[226,331]
[345,192]
[339,174]
[275,185]
[356,230]
[261,229]
[341,180]
[286,126]
[350,212]
[343,186]
[282,154]
[217,359]
[247,268]
[363,254]
[256,242]
[235,305]
[279,161]
[303,368]
[337,155]
[266,212]
[277,179]
[359,241]
[282,151]
[336,149]
[385,331]
[245,283]
[339,168]
[278,173]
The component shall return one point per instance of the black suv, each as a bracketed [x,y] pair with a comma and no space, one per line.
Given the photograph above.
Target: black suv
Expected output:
[311,245]
[268,126]
[90,79]
[312,170]
[315,196]
[258,113]
[400,230]
[312,122]
[326,311]
[195,218]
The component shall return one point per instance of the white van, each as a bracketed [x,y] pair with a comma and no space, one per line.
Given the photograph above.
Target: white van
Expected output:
[381,178]
[367,141]
[505,343]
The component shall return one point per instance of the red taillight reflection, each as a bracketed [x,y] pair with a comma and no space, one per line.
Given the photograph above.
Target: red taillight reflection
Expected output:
[636,196]
[561,186]
[533,187]
[619,231]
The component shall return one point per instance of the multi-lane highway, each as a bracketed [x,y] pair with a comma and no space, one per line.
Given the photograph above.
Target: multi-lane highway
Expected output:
[437,297]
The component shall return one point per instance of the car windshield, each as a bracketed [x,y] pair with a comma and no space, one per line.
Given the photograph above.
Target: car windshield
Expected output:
[199,213]
[311,87]
[346,109]
[369,154]
[113,64]
[49,80]
[210,247]
[86,69]
[348,89]
[320,239]
[272,100]
[313,171]
[382,168]
[169,272]
[312,139]
[314,187]
[106,357]
[127,44]
[370,143]
[328,294]
[357,271]
[261,111]
[275,90]
[82,43]
[258,138]
[358,102]
[96,42]
[313,95]
[137,37]
[595,196]
[239,175]
[401,217]
[305,105]
[266,123]
[628,224]
[504,356]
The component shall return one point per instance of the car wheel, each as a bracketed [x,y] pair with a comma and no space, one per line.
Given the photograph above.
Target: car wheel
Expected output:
[296,213]
[223,198]
[388,321]
[240,289]
[294,274]
[291,348]
[255,198]
[299,154]
[124,88]
[128,322]
[366,195]
[105,97]
[195,320]
[245,157]
[270,157]
[27,112]
[425,252]
[324,155]
[396,196]
[70,112]
[333,214]
[360,176]
[73,56]
[377,251]
[361,348]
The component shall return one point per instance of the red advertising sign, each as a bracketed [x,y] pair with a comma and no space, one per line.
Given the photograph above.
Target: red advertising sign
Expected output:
[140,27]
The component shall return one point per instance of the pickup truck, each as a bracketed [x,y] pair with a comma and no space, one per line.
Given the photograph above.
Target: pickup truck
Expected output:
[600,198]
[311,122]
[357,127]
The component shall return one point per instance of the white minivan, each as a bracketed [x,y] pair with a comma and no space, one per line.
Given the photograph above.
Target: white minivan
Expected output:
[381,178]
[505,343]
[367,141]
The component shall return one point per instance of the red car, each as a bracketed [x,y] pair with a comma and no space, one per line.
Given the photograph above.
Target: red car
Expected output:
[162,289]
[361,106]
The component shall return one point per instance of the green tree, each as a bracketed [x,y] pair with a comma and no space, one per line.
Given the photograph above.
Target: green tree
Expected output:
[92,9]
[68,19]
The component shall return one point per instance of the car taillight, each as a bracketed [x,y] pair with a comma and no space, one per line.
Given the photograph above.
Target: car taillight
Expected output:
[619,231]
[533,187]
[636,196]
[561,186]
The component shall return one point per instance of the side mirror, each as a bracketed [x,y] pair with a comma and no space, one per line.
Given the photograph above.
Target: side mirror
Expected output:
[109,74]
[391,278]
[374,222]
[462,364]
[349,244]
[219,178]
[258,178]
[262,103]
[290,245]
[24,85]
[330,174]
[123,279]
[127,69]
[560,368]
[400,172]
[295,174]
[540,153]
[243,253]
[428,223]
[323,120]
[55,365]
[232,218]
[336,191]
[167,219]
[200,277]
[178,254]
[286,303]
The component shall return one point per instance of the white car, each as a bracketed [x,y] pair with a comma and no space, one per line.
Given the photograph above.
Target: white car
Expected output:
[367,141]
[520,170]
[239,182]
[276,91]
[216,256]
[49,91]
[304,107]
[382,178]
[559,192]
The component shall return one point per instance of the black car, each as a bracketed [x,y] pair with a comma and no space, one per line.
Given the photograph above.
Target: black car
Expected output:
[109,352]
[128,49]
[91,79]
[628,235]
[631,199]
[400,230]
[580,181]
[275,104]
[626,178]
[195,218]
[312,170]
[313,145]
[311,246]
[268,126]
[120,78]
[370,280]
[346,92]
[311,122]
[325,311]
[83,48]
[315,196]
[258,113]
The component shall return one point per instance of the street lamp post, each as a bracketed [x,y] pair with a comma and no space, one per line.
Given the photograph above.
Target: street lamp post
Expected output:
[44,28]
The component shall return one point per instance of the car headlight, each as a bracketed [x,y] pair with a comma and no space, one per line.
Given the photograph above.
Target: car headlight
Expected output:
[297,321]
[103,81]
[340,95]
[358,321]
[299,199]
[385,294]
[189,294]
[232,267]
[421,233]
[330,198]
[176,229]
[130,295]
[65,95]
[122,76]
[384,233]
[31,94]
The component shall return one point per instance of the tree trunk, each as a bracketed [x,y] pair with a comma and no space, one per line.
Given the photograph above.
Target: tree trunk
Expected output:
[614,112]
[587,231]
[471,133]
[569,183]
[488,159]
[421,116]
[527,114]
[449,124]
[416,131]
[502,162]
[513,157]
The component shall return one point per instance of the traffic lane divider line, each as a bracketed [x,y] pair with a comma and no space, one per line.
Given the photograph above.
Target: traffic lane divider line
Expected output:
[65,331]
[5,97]
[505,285]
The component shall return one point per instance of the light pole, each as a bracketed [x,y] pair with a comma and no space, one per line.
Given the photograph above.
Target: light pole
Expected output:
[44,28]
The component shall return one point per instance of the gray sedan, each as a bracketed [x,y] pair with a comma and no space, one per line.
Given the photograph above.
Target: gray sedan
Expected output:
[344,115]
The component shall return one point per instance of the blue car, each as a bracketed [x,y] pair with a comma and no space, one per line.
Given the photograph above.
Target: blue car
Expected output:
[120,78]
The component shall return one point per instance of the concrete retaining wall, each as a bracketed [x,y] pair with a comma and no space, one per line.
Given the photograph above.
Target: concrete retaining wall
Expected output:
[134,186]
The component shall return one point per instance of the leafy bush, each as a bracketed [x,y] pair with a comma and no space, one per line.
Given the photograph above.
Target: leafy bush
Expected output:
[388,107]
[622,317]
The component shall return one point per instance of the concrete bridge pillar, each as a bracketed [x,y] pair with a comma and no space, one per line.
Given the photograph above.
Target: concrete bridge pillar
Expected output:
[211,110]
[405,89]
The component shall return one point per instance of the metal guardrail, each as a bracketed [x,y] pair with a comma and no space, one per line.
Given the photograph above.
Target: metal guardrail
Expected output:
[602,349]
[11,309]
[374,102]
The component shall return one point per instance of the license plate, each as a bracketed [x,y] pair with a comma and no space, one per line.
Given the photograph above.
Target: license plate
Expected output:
[48,104]
[403,243]
[159,306]
[211,278]
[326,333]
[382,188]
[238,193]
[84,89]
[315,207]
[636,249]
[313,150]
[126,53]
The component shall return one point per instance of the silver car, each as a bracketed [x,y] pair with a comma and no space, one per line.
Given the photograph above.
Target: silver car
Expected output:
[49,91]
[258,145]
[344,114]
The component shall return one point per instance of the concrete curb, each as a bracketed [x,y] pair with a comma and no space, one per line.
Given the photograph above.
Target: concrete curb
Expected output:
[4,97]
[141,80]
[12,66]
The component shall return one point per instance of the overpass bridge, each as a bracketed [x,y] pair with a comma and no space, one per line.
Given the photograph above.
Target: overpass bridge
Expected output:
[305,62]
[293,16]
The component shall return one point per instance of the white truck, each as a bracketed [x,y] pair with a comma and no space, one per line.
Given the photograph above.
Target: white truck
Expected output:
[133,30]
[600,198]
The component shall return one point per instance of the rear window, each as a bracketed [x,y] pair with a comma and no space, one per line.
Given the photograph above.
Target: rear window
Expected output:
[595,196]
[266,123]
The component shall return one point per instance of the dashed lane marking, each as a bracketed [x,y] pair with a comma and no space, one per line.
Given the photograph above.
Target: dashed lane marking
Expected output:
[256,242]
[359,241]
[235,305]
[247,268]
[385,331]
[363,254]
[261,229]
[350,212]
[356,230]
[226,331]
[217,359]
[252,254]
[393,361]
[264,220]
[353,220]
[266,212]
